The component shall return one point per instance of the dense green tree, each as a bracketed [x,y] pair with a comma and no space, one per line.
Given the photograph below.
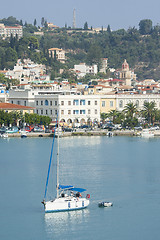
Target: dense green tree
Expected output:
[145,26]
[10,21]
[149,111]
[94,55]
[108,29]
[86,26]
[104,116]
[130,110]
[33,43]
[35,22]
[42,21]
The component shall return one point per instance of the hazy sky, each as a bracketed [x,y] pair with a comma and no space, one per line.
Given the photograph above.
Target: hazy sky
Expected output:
[117,13]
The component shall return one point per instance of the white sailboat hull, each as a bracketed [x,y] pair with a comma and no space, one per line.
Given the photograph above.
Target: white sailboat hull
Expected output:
[65,204]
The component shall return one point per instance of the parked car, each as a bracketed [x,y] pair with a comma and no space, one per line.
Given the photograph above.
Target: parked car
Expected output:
[138,128]
[12,130]
[67,129]
[110,127]
[29,128]
[155,128]
[47,130]
[3,129]
[84,126]
[38,129]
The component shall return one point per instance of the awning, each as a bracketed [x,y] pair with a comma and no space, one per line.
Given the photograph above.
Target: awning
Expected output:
[66,187]
[78,189]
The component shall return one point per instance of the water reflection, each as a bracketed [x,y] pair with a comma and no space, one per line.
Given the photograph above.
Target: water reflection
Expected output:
[79,141]
[60,222]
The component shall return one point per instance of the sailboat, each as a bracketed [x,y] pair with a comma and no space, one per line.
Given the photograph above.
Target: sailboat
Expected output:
[68,197]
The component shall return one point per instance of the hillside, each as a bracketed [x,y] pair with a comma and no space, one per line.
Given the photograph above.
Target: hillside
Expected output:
[141,48]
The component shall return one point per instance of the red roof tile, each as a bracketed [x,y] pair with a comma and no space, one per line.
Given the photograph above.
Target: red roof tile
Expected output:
[11,106]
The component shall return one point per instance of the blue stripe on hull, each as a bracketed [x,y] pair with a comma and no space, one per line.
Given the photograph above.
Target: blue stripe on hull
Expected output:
[65,210]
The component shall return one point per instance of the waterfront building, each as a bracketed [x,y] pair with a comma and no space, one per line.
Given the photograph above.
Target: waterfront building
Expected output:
[72,108]
[108,103]
[138,99]
[8,107]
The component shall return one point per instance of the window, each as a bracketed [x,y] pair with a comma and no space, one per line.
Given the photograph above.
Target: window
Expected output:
[62,111]
[55,103]
[51,111]
[95,102]
[103,103]
[55,112]
[62,102]
[12,102]
[89,111]
[46,102]
[75,102]
[137,103]
[50,103]
[95,111]
[69,102]
[82,102]
[46,112]
[41,111]
[37,111]
[37,103]
[111,103]
[69,111]
[18,102]
[25,103]
[82,111]
[89,102]
[121,104]
[41,103]
[75,111]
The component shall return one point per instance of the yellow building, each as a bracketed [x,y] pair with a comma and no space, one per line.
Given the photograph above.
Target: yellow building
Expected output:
[9,107]
[107,103]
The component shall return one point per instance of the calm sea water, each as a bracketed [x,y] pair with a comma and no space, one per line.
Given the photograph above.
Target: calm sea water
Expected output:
[123,170]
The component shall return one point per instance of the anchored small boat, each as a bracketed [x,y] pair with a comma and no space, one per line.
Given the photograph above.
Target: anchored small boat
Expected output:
[105,204]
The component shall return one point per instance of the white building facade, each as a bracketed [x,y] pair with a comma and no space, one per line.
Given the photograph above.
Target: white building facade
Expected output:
[82,69]
[72,108]
[7,31]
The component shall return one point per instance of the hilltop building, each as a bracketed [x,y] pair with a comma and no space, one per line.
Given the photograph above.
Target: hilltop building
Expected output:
[57,53]
[104,65]
[7,31]
[82,69]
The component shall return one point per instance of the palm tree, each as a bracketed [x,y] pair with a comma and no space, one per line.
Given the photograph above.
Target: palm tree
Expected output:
[104,116]
[149,111]
[113,114]
[130,110]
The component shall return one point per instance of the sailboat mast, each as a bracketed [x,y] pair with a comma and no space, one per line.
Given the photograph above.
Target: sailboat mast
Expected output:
[58,155]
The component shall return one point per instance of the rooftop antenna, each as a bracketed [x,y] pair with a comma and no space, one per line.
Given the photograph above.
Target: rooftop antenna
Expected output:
[74,18]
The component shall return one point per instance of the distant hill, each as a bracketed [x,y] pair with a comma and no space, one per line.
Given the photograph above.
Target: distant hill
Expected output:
[141,47]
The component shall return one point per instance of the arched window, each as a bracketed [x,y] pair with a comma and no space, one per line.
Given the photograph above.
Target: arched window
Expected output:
[46,102]
[121,104]
[137,103]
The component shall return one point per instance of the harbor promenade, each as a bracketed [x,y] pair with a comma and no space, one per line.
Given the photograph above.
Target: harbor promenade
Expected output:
[86,133]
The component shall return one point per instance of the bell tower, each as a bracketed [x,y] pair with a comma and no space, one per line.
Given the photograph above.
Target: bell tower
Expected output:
[125,73]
